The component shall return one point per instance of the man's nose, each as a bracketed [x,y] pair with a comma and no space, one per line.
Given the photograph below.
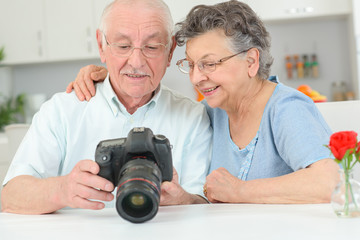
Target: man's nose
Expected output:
[137,58]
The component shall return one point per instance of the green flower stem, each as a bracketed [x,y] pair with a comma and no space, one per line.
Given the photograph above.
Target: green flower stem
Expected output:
[346,205]
[346,163]
[352,196]
[353,165]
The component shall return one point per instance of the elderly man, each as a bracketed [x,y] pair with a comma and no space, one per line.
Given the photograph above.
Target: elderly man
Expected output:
[53,167]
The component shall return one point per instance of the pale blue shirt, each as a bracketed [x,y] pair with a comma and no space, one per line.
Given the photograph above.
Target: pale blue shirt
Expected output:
[291,136]
[66,130]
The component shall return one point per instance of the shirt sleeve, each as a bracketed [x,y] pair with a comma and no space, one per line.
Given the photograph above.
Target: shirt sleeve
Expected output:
[300,132]
[196,152]
[41,152]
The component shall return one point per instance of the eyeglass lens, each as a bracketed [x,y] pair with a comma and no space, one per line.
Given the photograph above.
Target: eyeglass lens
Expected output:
[149,50]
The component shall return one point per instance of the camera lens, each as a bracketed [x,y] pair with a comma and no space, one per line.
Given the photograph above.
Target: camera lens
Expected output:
[138,194]
[137,205]
[137,200]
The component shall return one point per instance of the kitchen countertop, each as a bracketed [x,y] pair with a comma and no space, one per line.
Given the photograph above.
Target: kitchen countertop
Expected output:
[4,158]
[3,147]
[3,138]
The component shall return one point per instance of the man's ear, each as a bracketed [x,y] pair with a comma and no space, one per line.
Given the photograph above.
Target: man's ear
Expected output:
[253,61]
[173,46]
[99,38]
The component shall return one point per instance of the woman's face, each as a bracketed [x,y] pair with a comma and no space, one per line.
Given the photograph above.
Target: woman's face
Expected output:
[222,86]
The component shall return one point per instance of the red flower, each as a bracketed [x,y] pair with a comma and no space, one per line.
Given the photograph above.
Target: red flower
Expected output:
[340,142]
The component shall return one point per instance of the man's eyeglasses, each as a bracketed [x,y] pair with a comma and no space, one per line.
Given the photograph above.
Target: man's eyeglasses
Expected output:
[125,50]
[205,66]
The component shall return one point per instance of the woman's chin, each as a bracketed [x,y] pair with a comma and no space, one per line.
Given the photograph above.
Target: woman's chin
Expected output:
[212,102]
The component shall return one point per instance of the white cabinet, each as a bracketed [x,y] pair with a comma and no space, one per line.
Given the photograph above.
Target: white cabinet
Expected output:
[179,9]
[356,17]
[22,30]
[70,32]
[270,10]
[292,9]
[356,44]
[49,30]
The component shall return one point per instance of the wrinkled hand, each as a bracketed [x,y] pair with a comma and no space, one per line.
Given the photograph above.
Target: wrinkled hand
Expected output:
[221,186]
[172,193]
[82,184]
[84,83]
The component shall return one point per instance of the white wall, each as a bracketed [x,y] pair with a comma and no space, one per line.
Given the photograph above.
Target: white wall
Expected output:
[47,78]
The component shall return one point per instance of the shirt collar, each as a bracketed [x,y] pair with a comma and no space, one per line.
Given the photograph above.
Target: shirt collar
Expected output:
[274,79]
[114,103]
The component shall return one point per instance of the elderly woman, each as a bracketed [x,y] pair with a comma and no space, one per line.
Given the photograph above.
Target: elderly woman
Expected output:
[268,138]
[268,144]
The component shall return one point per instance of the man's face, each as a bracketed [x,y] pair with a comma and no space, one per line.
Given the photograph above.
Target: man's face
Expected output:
[134,78]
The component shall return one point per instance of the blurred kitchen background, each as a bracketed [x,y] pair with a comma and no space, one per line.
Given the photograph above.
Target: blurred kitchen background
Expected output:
[46,42]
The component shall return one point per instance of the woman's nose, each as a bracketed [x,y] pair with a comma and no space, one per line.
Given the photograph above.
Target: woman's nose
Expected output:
[196,75]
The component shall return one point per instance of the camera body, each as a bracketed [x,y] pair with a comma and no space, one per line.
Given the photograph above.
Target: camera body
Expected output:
[137,165]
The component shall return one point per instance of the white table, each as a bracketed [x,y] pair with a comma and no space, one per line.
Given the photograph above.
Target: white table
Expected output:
[215,221]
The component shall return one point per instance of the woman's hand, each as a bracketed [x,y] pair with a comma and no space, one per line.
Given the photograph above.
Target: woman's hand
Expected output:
[221,186]
[84,83]
[313,184]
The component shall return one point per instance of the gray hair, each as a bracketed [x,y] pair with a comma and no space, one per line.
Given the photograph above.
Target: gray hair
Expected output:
[164,14]
[240,23]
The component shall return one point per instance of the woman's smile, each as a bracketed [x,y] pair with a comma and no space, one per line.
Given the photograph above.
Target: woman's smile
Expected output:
[209,91]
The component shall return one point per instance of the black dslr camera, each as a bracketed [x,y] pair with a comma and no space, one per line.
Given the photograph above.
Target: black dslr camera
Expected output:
[137,165]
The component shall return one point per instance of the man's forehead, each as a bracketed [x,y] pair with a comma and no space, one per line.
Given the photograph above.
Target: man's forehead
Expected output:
[143,36]
[134,23]
[135,16]
[149,29]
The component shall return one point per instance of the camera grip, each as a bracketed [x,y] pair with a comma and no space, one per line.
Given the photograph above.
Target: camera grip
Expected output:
[105,164]
[163,152]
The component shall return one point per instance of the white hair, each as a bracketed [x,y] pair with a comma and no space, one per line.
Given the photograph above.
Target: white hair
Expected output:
[161,6]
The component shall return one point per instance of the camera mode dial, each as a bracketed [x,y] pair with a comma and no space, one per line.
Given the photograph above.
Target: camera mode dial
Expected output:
[159,138]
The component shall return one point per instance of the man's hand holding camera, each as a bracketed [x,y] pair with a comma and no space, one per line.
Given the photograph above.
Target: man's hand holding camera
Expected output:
[81,188]
[82,184]
[173,194]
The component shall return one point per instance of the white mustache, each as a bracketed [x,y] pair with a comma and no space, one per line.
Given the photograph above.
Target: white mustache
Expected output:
[134,72]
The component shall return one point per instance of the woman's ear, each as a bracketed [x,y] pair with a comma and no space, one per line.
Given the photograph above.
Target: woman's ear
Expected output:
[173,46]
[253,61]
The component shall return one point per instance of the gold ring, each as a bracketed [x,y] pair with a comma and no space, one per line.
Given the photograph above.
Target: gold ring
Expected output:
[205,192]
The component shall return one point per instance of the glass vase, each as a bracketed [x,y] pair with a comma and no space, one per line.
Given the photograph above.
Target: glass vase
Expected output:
[345,198]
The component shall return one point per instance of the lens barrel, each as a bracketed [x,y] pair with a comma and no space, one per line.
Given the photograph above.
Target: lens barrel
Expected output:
[138,193]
